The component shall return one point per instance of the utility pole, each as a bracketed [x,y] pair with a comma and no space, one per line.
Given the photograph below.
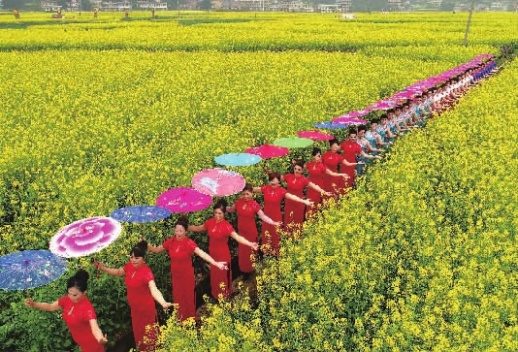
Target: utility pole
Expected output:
[469,22]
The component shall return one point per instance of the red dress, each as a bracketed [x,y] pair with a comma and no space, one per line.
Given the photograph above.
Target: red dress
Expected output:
[246,227]
[218,233]
[143,311]
[272,197]
[294,211]
[333,184]
[350,150]
[77,316]
[182,275]
[316,171]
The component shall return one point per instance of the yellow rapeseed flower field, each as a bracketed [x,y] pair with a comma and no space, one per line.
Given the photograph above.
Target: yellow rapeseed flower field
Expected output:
[103,113]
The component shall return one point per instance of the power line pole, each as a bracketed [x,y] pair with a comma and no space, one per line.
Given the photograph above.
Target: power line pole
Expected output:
[469,22]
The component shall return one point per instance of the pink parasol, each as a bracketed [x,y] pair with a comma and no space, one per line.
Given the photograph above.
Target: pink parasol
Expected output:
[315,135]
[268,151]
[85,237]
[218,182]
[383,106]
[349,121]
[183,200]
[357,113]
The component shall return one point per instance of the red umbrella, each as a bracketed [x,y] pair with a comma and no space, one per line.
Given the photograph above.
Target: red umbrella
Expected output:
[315,135]
[268,151]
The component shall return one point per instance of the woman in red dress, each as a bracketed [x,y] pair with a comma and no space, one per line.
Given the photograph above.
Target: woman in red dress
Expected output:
[317,170]
[247,208]
[141,290]
[351,149]
[78,314]
[273,194]
[219,230]
[181,249]
[296,183]
[332,159]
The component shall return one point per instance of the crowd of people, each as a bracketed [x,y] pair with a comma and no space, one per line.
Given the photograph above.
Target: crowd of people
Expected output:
[331,174]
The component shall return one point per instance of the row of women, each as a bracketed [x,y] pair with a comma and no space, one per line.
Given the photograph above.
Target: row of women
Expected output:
[330,174]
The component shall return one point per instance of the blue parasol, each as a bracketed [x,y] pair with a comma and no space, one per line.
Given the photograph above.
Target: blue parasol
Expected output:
[238,159]
[28,269]
[329,125]
[140,213]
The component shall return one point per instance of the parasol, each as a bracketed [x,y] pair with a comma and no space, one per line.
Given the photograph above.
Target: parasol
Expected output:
[28,269]
[85,236]
[268,151]
[359,113]
[183,200]
[218,182]
[315,135]
[349,121]
[238,159]
[140,213]
[329,125]
[293,142]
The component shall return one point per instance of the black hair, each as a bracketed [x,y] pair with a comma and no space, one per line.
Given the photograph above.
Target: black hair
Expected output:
[333,141]
[221,204]
[182,221]
[248,187]
[79,280]
[299,163]
[362,128]
[274,175]
[352,131]
[316,151]
[375,121]
[139,250]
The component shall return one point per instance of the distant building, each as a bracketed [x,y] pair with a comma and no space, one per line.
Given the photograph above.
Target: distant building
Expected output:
[329,8]
[250,5]
[345,4]
[396,4]
[116,6]
[342,6]
[152,5]
[50,6]
[290,6]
